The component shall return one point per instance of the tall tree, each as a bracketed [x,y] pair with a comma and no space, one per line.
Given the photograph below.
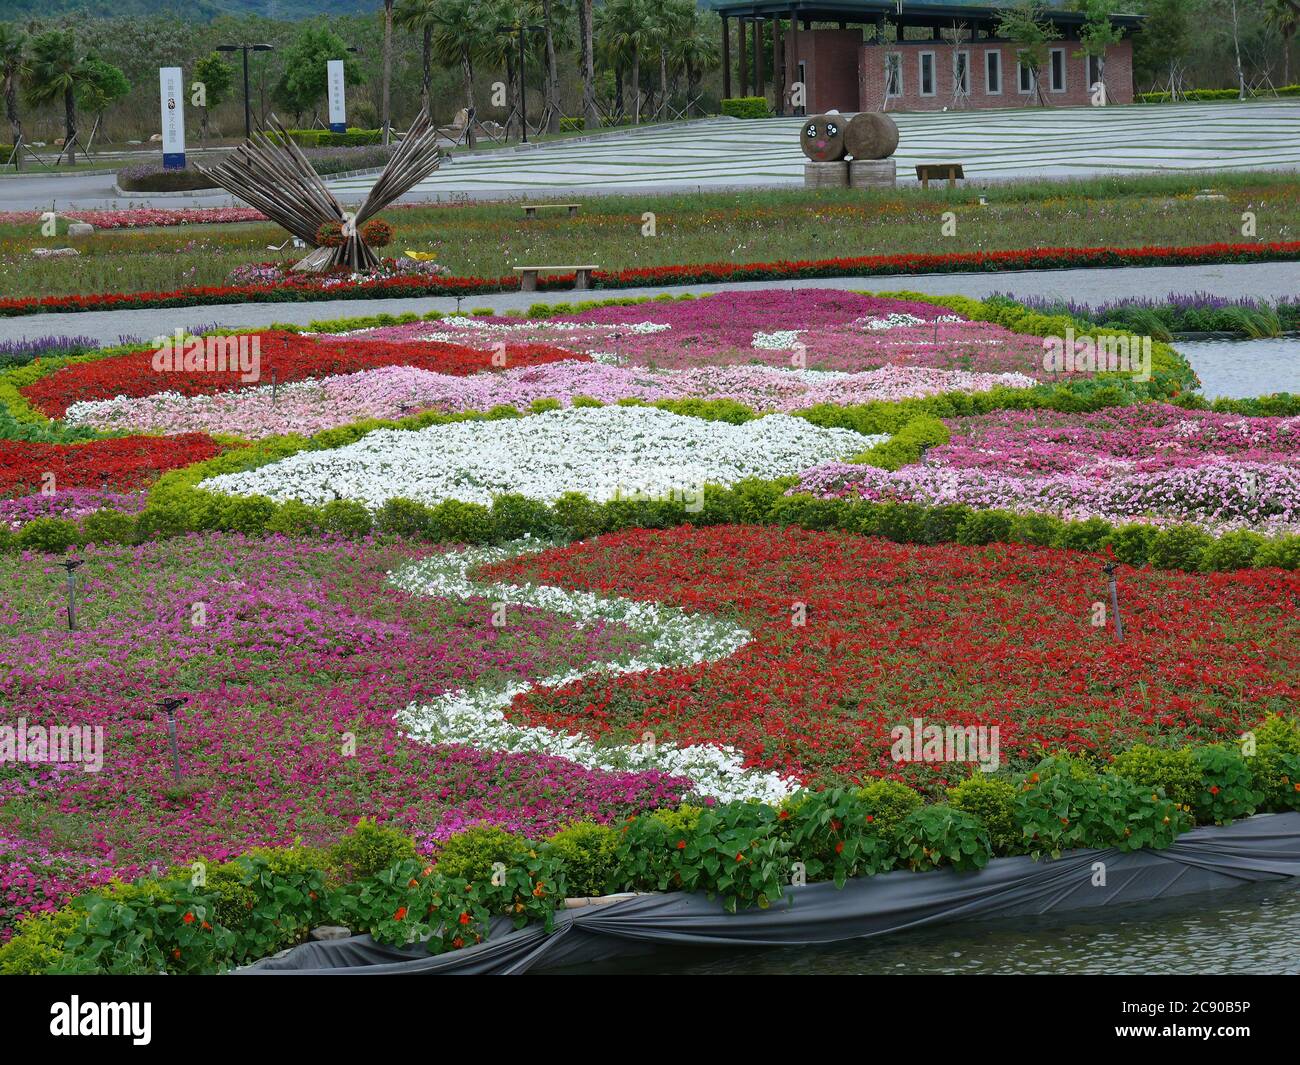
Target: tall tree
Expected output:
[501,49]
[695,49]
[1284,17]
[1027,26]
[388,65]
[218,80]
[1098,33]
[305,79]
[59,69]
[1163,43]
[463,33]
[622,33]
[551,79]
[13,68]
[420,16]
[590,115]
[104,85]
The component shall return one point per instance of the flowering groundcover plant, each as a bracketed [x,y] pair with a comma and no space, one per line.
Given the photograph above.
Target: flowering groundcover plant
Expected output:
[1149,462]
[295,646]
[998,635]
[398,391]
[286,356]
[119,463]
[822,329]
[602,452]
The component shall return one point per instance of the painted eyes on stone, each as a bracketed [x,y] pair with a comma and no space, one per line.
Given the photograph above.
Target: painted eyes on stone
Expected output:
[832,130]
[811,131]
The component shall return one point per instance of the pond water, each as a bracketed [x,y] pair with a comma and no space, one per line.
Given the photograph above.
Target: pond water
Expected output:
[1242,368]
[1251,929]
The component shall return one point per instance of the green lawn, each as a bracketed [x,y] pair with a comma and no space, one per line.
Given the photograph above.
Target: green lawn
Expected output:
[749,226]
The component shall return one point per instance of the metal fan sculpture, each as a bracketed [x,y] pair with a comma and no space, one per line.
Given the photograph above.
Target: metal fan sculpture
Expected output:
[275,177]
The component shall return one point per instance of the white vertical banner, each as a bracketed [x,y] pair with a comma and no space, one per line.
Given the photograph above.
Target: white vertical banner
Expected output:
[172,84]
[338,110]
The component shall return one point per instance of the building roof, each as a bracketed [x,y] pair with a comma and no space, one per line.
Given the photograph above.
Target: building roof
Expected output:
[915,12]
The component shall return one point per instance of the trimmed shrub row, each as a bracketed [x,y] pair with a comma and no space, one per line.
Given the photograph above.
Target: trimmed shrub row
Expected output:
[177,508]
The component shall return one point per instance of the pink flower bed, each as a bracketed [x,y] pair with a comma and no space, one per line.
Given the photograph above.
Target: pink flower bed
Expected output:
[138,217]
[827,329]
[397,391]
[1149,463]
[300,642]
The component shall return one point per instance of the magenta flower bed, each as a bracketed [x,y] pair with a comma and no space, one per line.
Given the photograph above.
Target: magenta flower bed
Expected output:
[296,645]
[764,327]
[1152,463]
[71,504]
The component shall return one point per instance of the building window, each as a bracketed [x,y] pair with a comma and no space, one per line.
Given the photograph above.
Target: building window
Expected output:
[927,73]
[894,74]
[993,73]
[961,73]
[1026,77]
[1094,70]
[1058,70]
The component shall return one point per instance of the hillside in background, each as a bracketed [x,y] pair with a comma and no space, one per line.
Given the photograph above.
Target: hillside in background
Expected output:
[194,10]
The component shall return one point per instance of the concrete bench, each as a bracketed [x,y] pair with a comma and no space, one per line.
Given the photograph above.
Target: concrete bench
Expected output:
[926,171]
[528,275]
[531,209]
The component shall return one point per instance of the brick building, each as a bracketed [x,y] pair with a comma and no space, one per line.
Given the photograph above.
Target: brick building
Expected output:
[913,55]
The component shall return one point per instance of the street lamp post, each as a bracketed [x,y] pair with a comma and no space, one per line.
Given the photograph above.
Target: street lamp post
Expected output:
[246,48]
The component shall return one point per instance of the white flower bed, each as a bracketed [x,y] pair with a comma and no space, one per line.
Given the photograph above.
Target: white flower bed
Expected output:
[476,716]
[902,321]
[603,452]
[781,340]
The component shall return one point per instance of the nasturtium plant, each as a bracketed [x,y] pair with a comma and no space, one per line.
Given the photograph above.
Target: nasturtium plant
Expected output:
[1227,790]
[1063,805]
[938,835]
[835,835]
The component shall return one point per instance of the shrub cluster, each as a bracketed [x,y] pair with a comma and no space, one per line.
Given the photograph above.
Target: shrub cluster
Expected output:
[746,107]
[207,918]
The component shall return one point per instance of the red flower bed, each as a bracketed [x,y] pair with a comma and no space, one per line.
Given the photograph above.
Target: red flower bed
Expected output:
[959,262]
[121,463]
[287,356]
[998,635]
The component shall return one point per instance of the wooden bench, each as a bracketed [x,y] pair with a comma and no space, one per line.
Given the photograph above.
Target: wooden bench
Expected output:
[531,209]
[528,275]
[926,171]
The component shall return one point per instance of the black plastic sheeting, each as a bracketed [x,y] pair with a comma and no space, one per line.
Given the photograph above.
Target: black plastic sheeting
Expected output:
[1262,848]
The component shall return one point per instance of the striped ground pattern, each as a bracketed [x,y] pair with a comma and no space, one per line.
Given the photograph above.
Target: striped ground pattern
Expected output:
[992,145]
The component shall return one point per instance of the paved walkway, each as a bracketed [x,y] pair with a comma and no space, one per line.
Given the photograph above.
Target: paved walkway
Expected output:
[1259,280]
[725,153]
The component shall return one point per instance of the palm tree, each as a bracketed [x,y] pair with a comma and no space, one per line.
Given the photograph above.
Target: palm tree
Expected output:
[421,16]
[388,62]
[13,68]
[1284,16]
[622,33]
[58,69]
[501,48]
[551,86]
[695,48]
[461,32]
